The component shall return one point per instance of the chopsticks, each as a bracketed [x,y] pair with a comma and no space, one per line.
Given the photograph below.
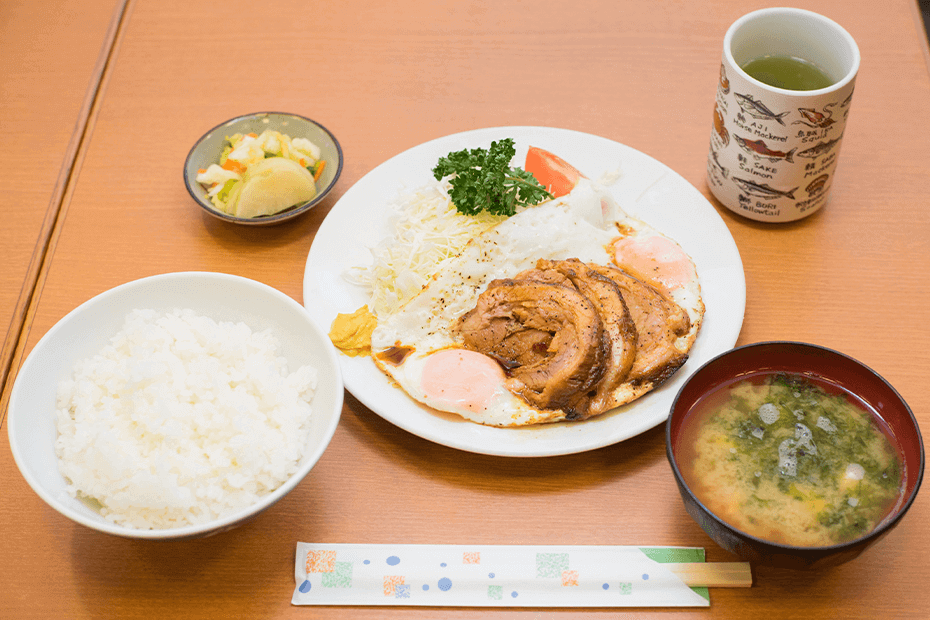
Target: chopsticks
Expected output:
[474,575]
[713,574]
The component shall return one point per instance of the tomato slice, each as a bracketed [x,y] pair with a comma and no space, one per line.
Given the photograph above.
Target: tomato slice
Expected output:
[554,173]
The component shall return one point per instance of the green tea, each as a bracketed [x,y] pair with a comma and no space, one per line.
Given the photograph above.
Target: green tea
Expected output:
[788,72]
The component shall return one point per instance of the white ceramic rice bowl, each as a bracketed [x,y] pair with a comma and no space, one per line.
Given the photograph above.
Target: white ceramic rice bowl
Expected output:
[89,327]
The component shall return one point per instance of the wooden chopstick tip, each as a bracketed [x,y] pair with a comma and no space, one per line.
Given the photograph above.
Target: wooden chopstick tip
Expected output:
[714,574]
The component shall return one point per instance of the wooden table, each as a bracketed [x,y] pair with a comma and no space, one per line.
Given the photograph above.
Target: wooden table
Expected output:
[852,277]
[54,54]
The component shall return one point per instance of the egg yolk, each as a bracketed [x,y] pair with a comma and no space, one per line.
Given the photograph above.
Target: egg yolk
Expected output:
[656,259]
[461,378]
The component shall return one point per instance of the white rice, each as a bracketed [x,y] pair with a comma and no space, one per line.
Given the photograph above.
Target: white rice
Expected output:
[181,420]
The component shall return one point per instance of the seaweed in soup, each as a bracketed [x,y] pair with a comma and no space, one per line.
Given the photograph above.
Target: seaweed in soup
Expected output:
[792,460]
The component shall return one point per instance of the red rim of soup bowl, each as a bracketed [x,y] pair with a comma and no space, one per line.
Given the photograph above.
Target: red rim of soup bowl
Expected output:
[798,358]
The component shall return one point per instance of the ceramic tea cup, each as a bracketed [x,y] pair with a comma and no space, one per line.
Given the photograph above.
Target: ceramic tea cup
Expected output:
[774,148]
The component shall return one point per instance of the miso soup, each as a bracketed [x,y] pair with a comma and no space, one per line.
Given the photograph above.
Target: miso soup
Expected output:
[791,459]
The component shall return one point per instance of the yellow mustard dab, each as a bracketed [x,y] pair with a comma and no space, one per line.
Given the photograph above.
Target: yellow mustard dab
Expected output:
[351,333]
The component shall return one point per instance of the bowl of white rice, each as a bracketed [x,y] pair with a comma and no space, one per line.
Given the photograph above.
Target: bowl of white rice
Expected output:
[175,406]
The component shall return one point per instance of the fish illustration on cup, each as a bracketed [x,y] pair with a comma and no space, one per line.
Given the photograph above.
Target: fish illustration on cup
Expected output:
[759,110]
[717,165]
[724,84]
[762,190]
[821,148]
[813,118]
[759,150]
[817,185]
[720,126]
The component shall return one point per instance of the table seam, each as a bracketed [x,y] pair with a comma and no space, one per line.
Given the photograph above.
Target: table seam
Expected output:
[11,354]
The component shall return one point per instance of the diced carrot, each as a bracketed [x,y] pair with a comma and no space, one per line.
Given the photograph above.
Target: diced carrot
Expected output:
[303,162]
[252,135]
[554,173]
[233,166]
[319,170]
[201,171]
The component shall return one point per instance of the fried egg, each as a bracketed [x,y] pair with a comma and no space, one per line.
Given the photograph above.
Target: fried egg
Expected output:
[420,348]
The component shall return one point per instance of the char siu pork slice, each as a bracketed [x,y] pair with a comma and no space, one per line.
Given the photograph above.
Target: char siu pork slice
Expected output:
[547,336]
[619,328]
[659,323]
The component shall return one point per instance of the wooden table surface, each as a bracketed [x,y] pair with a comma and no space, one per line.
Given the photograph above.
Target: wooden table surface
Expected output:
[851,277]
[53,57]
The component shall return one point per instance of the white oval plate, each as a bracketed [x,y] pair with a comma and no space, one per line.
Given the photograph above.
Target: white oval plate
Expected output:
[646,189]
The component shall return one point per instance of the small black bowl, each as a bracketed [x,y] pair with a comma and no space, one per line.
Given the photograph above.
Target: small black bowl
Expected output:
[811,360]
[207,151]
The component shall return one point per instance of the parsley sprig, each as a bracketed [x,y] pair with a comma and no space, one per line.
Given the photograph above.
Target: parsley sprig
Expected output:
[484,181]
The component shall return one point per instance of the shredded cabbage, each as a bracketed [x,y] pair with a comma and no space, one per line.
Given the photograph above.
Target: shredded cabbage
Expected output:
[427,230]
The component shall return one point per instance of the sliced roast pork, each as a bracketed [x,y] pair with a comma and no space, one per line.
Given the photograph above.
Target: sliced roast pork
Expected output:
[659,323]
[618,327]
[548,336]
